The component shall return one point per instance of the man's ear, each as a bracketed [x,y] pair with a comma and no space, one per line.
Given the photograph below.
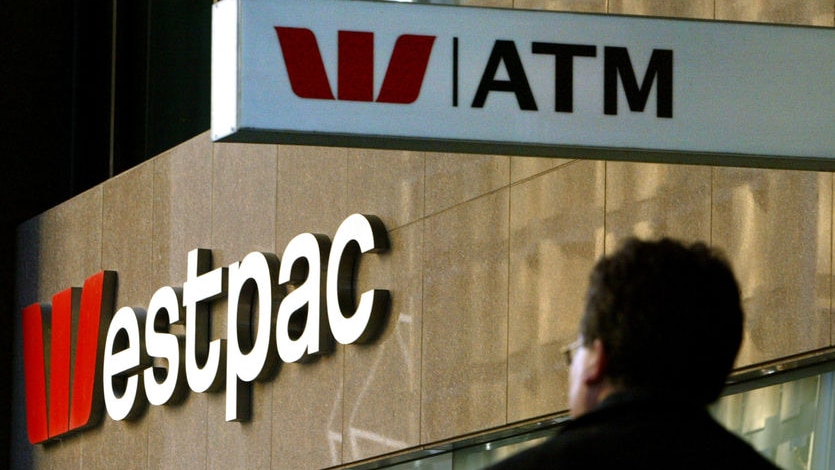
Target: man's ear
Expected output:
[595,366]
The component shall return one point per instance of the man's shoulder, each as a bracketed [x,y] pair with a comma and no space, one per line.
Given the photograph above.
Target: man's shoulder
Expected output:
[630,439]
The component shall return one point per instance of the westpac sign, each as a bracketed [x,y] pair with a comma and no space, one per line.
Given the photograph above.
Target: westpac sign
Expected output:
[278,310]
[434,77]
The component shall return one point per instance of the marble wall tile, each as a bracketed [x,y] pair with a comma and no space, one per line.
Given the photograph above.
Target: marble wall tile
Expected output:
[56,250]
[122,444]
[388,184]
[655,200]
[182,222]
[243,444]
[62,454]
[823,232]
[243,200]
[243,221]
[177,433]
[382,378]
[800,12]
[60,248]
[702,9]
[775,226]
[487,3]
[182,207]
[464,376]
[312,191]
[454,178]
[556,225]
[127,249]
[307,413]
[308,396]
[586,6]
[127,223]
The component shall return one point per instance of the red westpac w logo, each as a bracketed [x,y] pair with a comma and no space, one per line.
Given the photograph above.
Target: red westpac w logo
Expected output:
[355,76]
[74,399]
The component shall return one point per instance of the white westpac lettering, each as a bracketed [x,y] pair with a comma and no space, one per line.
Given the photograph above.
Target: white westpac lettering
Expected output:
[285,310]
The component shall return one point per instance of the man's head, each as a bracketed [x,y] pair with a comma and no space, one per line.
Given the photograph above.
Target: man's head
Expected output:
[661,317]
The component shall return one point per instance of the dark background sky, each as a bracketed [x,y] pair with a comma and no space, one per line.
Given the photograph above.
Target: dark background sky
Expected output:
[71,115]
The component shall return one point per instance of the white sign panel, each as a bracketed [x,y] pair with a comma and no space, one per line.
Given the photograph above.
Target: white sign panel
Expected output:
[434,77]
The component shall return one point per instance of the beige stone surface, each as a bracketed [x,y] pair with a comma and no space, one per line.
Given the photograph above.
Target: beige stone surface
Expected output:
[308,396]
[127,208]
[585,6]
[243,221]
[556,235]
[383,378]
[775,226]
[243,200]
[388,184]
[182,207]
[60,248]
[701,9]
[455,178]
[127,226]
[57,250]
[312,187]
[654,200]
[182,222]
[307,423]
[487,3]
[465,318]
[177,433]
[799,12]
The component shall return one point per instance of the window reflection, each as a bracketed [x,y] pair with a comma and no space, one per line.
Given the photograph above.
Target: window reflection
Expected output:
[790,423]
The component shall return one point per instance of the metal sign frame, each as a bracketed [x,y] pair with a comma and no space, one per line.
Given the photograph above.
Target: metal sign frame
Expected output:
[523,82]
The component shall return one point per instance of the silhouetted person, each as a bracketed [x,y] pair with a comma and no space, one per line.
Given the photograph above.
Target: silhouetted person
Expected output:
[661,330]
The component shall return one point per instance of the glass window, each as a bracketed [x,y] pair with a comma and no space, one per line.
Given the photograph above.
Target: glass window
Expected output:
[436,462]
[477,457]
[790,423]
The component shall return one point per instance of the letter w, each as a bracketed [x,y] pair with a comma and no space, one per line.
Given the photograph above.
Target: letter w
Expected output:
[355,81]
[74,396]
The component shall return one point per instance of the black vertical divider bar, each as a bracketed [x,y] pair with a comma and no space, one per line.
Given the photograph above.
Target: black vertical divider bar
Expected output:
[455,72]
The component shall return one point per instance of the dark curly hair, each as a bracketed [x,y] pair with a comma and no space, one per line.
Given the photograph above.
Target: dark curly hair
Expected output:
[669,316]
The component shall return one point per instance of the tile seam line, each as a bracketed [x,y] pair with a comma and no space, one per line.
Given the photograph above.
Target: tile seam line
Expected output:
[346,159]
[507,293]
[605,204]
[490,192]
[831,249]
[153,167]
[276,202]
[206,418]
[423,221]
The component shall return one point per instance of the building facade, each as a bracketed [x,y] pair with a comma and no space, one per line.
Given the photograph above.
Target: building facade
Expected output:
[487,269]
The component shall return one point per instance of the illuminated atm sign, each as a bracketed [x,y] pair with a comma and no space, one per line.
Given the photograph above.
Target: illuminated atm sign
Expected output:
[277,311]
[435,77]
